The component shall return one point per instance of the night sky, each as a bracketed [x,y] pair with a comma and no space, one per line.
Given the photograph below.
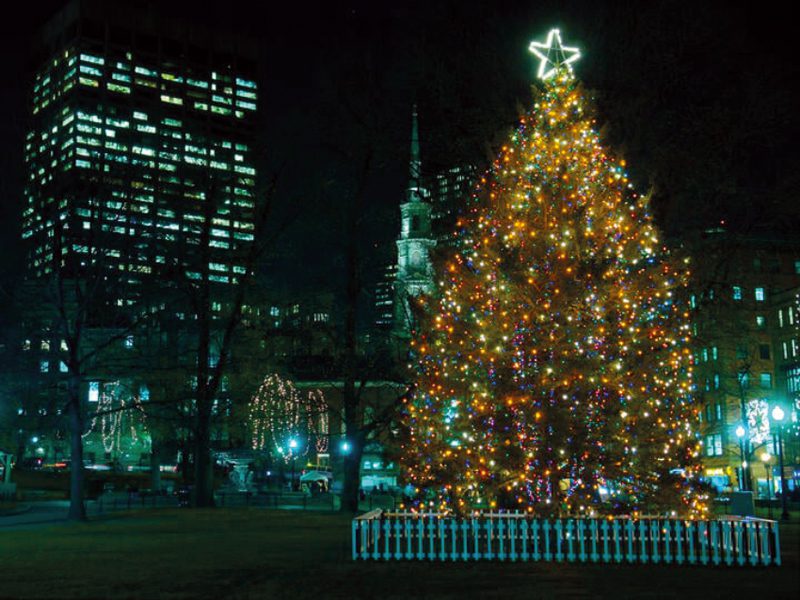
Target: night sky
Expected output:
[698,97]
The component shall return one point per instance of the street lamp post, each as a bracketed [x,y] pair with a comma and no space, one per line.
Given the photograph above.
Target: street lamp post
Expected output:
[292,448]
[765,458]
[777,415]
[743,475]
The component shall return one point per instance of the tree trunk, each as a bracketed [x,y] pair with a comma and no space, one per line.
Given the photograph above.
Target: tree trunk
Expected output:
[203,480]
[77,510]
[352,480]
[203,472]
[155,465]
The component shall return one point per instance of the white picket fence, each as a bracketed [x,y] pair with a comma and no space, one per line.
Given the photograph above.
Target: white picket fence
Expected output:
[731,541]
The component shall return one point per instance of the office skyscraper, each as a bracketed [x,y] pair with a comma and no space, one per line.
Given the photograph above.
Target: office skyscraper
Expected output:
[141,147]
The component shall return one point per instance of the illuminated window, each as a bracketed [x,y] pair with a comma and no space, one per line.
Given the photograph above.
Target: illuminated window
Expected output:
[172,100]
[737,292]
[760,295]
[44,366]
[96,60]
[713,445]
[94,391]
[765,381]
[761,321]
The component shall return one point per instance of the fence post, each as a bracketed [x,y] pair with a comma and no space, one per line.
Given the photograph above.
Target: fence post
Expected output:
[501,526]
[714,541]
[775,529]
[581,539]
[432,538]
[546,535]
[570,540]
[593,537]
[442,539]
[387,533]
[727,542]
[512,539]
[752,536]
[690,541]
[667,535]
[643,541]
[476,535]
[489,554]
[629,526]
[524,526]
[535,534]
[678,542]
[617,541]
[606,553]
[702,534]
[421,540]
[398,554]
[763,532]
[376,536]
[740,551]
[364,539]
[465,539]
[454,533]
[409,539]
[654,530]
[557,527]
[354,530]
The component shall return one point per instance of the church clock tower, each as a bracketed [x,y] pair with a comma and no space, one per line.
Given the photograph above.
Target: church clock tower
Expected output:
[414,268]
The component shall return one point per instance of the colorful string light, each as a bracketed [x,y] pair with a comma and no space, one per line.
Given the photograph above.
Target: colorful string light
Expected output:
[554,371]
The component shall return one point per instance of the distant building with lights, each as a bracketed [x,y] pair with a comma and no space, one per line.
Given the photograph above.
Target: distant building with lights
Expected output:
[747,357]
[450,191]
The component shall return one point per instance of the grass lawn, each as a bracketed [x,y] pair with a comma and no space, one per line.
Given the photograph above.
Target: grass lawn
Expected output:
[252,553]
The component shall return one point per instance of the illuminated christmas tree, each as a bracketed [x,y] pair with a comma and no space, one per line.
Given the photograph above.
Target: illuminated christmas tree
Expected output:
[554,371]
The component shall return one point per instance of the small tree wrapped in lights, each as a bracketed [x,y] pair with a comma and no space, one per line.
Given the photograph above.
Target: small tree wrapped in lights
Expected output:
[280,413]
[554,371]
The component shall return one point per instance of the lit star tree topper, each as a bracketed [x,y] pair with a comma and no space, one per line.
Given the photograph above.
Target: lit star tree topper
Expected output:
[553,55]
[553,369]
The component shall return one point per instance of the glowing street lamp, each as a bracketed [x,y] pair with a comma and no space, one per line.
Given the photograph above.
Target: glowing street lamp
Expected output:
[778,415]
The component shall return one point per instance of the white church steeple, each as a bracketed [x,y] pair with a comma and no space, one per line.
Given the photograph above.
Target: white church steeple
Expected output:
[414,268]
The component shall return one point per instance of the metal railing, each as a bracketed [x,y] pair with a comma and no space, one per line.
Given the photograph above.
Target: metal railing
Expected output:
[731,541]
